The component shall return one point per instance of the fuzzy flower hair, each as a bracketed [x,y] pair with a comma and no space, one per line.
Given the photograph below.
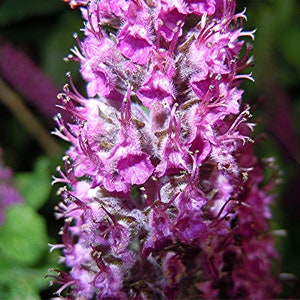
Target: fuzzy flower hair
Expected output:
[163,195]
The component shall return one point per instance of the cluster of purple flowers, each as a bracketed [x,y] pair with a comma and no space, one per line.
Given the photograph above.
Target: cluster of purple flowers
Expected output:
[8,193]
[163,195]
[27,79]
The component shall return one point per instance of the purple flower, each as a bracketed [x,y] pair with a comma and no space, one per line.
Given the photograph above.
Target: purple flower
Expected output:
[76,3]
[8,193]
[163,195]
[169,19]
[158,85]
[201,7]
[134,42]
[21,72]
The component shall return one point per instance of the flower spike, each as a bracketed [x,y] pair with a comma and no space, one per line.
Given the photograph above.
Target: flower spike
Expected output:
[164,196]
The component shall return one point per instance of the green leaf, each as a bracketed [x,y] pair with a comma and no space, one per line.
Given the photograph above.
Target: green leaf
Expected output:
[23,236]
[35,186]
[18,282]
[10,273]
[21,289]
[36,276]
[16,10]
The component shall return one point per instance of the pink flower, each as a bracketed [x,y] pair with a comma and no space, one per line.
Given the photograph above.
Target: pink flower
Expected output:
[134,42]
[163,195]
[201,7]
[169,15]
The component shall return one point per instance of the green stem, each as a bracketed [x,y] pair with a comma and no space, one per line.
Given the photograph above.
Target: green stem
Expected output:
[16,105]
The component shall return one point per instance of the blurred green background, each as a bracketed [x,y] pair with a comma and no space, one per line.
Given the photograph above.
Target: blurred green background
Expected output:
[35,36]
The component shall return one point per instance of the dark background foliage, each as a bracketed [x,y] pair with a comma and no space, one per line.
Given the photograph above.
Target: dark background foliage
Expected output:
[35,36]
